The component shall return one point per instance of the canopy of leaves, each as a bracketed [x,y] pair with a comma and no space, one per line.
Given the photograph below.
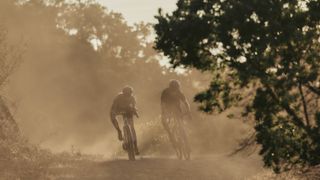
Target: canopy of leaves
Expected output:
[270,47]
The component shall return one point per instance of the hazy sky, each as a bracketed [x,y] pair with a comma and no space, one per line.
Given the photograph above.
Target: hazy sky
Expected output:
[139,10]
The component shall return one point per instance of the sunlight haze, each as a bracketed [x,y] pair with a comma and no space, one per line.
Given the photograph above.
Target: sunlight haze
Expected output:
[139,10]
[207,89]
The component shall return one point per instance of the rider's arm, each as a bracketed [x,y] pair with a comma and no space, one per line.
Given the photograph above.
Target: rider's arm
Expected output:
[115,104]
[134,102]
[113,114]
[185,102]
[163,105]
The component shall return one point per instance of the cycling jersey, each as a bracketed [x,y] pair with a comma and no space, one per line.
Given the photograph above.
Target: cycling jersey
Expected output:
[171,99]
[123,103]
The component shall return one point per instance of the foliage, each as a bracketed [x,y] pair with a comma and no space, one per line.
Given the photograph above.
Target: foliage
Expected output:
[10,57]
[270,47]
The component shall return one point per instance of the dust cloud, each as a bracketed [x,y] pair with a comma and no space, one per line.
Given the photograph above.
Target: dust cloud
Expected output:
[64,88]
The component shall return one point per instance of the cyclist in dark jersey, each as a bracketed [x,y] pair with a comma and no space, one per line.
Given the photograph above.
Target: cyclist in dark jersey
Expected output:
[125,103]
[172,100]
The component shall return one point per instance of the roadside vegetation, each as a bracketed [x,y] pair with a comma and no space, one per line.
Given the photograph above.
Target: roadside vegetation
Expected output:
[270,48]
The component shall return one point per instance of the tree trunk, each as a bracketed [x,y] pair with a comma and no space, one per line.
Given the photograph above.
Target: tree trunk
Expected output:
[8,126]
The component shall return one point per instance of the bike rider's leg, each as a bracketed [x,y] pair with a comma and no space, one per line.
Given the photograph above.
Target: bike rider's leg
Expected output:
[164,121]
[135,142]
[116,125]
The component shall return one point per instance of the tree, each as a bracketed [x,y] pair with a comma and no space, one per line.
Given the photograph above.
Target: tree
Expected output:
[10,57]
[269,47]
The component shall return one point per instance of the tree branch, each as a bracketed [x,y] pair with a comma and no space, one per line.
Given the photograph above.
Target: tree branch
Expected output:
[313,89]
[296,119]
[305,108]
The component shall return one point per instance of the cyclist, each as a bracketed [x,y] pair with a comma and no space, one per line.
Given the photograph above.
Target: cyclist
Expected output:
[125,104]
[171,100]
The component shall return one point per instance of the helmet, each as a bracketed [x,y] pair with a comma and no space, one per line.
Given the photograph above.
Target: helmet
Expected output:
[174,84]
[127,90]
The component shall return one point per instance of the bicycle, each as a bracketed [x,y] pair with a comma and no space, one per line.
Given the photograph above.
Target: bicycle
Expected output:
[128,140]
[177,136]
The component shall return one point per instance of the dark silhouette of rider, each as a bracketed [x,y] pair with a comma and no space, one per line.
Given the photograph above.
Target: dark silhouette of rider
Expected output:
[171,100]
[173,106]
[125,104]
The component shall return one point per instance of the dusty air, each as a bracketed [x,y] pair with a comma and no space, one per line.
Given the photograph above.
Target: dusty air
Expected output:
[159,90]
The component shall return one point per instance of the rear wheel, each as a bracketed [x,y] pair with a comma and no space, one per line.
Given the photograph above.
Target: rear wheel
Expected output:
[179,140]
[129,142]
[184,144]
[176,145]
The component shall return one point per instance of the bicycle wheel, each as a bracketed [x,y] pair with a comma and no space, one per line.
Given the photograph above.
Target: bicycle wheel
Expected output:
[169,126]
[184,144]
[129,142]
[175,144]
[182,141]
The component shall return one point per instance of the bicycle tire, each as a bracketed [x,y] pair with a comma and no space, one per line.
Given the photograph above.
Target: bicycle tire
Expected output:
[185,144]
[129,143]
[178,138]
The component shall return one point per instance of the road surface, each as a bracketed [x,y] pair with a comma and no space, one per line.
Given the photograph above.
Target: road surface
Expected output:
[213,167]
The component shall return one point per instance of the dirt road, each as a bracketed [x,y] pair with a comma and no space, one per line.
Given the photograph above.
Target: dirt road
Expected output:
[214,167]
